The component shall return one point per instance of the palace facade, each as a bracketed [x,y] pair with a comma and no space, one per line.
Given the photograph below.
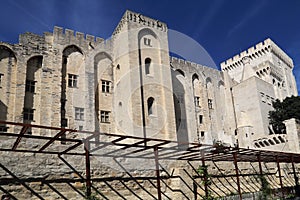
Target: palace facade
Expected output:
[130,85]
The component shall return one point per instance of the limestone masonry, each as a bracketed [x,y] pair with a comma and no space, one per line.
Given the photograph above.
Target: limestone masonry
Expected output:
[130,85]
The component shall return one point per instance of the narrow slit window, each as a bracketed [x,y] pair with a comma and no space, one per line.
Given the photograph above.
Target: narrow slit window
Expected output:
[147,65]
[197,101]
[200,119]
[150,103]
[1,75]
[210,104]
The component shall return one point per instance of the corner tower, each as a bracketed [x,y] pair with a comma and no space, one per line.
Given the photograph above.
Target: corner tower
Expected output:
[270,64]
[143,86]
[259,75]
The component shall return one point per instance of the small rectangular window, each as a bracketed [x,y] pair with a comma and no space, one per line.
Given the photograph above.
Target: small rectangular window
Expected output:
[72,80]
[3,128]
[105,86]
[104,116]
[200,119]
[30,86]
[79,113]
[197,101]
[210,105]
[147,42]
[202,134]
[28,114]
[1,75]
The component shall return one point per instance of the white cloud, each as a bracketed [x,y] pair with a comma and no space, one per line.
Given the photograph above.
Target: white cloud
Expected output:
[248,15]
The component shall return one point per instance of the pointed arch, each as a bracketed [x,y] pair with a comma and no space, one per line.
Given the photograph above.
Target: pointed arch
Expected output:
[101,55]
[179,71]
[196,88]
[146,31]
[195,76]
[71,49]
[208,80]
[103,72]
[9,53]
[8,62]
[33,79]
[221,83]
[72,60]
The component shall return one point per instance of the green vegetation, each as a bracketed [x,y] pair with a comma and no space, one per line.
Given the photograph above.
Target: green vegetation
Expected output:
[93,196]
[265,188]
[202,171]
[287,109]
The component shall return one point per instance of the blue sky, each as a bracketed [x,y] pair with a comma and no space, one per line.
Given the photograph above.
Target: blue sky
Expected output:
[223,27]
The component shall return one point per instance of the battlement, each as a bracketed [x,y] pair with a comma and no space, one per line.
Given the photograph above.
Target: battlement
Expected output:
[141,19]
[184,62]
[60,34]
[256,51]
[175,60]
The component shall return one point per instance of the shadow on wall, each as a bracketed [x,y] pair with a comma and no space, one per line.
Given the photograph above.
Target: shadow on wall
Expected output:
[3,115]
[3,111]
[123,185]
[179,107]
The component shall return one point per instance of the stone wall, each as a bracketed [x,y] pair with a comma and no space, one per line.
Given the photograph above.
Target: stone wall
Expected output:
[41,176]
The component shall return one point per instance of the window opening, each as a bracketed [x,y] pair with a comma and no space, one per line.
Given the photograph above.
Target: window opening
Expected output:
[210,106]
[200,119]
[72,80]
[79,113]
[30,86]
[105,86]
[104,116]
[147,65]
[147,42]
[28,114]
[150,103]
[197,101]
[202,133]
[1,75]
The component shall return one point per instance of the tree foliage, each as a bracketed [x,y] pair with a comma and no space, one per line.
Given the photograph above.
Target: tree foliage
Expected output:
[287,109]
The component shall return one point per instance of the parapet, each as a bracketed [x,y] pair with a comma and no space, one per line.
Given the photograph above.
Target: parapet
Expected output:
[182,62]
[70,35]
[141,19]
[256,51]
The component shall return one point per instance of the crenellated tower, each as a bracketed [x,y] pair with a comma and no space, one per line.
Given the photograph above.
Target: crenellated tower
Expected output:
[259,75]
[269,63]
[142,56]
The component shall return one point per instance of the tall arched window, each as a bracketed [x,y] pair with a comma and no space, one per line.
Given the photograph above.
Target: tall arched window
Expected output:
[150,103]
[147,65]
